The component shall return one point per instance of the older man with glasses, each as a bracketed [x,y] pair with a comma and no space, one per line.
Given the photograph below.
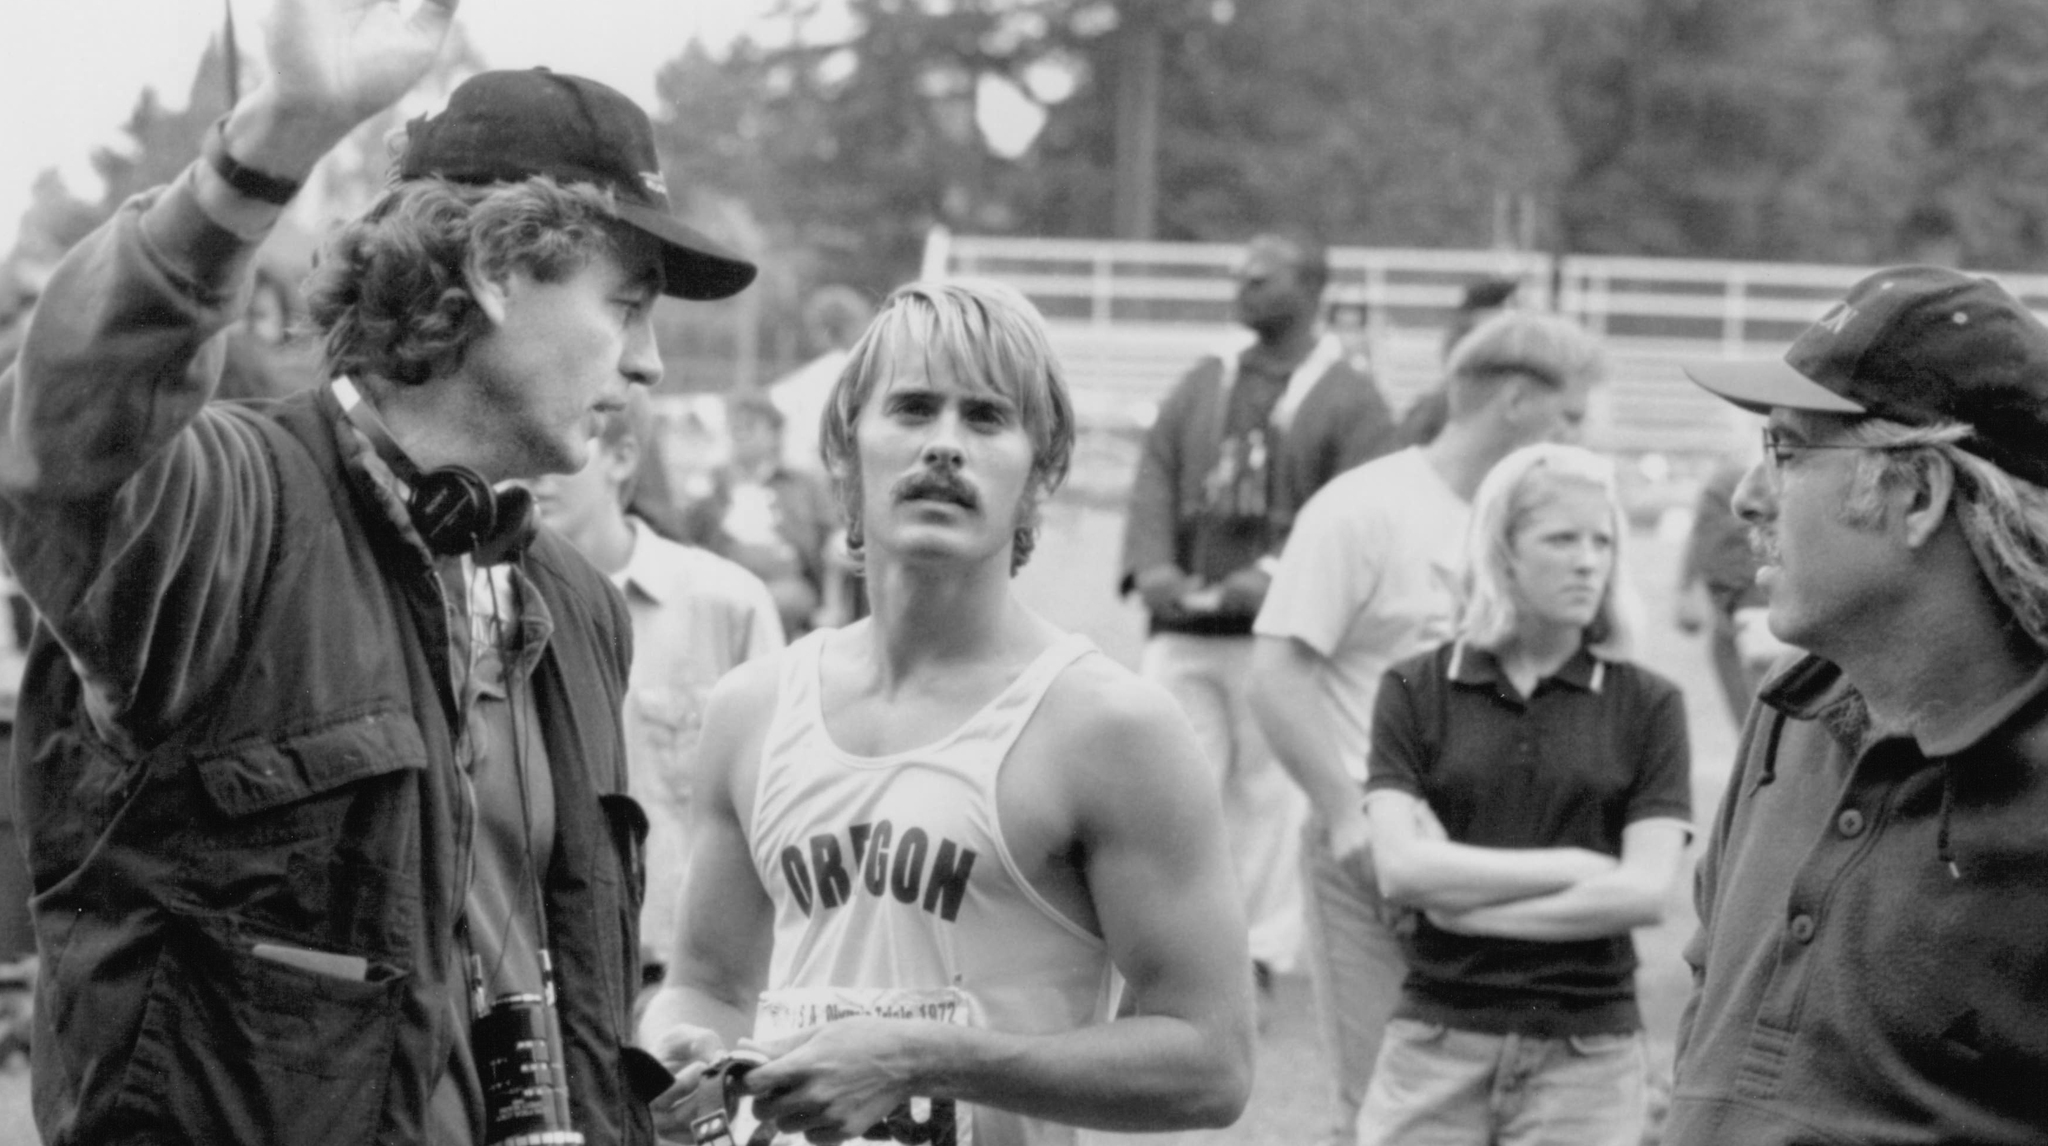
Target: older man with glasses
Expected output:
[1872,959]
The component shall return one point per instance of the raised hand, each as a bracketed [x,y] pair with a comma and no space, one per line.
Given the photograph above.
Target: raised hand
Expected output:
[351,59]
[333,64]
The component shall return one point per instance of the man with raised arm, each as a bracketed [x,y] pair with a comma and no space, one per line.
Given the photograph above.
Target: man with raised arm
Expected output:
[319,746]
[931,846]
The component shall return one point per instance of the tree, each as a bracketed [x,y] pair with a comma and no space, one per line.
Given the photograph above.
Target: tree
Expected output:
[1975,80]
[1731,129]
[1396,121]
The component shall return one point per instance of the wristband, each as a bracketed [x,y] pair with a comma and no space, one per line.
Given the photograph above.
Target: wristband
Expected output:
[247,181]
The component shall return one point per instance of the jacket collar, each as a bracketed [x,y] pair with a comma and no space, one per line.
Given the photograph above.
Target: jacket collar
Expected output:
[1813,689]
[370,475]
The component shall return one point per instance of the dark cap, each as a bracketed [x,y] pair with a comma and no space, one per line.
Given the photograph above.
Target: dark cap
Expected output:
[1916,345]
[502,127]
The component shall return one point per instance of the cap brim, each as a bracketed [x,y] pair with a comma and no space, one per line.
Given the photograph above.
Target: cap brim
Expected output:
[693,266]
[1761,385]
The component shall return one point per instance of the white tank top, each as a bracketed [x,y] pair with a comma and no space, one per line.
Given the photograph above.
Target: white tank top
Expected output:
[895,893]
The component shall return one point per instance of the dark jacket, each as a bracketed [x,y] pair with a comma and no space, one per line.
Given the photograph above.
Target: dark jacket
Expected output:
[1872,960]
[1339,423]
[238,727]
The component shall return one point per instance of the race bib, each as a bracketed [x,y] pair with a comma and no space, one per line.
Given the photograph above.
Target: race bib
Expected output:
[919,1122]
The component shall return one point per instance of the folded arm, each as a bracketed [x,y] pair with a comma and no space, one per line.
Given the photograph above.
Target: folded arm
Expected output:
[1632,894]
[1420,867]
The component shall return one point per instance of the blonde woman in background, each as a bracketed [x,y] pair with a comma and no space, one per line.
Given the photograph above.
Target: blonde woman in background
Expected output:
[1530,802]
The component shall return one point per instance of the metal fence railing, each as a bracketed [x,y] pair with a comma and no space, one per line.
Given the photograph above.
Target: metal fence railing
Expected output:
[1129,317]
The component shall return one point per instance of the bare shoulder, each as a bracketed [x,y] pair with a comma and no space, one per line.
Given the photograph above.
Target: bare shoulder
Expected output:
[1097,696]
[1117,733]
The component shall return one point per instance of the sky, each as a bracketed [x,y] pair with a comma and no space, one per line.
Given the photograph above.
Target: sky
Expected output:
[70,70]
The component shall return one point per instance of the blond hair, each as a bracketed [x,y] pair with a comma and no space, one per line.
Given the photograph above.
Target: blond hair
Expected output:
[1514,489]
[991,336]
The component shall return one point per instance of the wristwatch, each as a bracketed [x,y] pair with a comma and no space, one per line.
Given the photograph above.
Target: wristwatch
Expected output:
[247,181]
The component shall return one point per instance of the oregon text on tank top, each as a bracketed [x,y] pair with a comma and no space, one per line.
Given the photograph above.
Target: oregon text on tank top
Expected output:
[895,893]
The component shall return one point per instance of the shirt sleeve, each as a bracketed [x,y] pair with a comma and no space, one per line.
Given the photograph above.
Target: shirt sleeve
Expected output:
[1663,788]
[1328,571]
[1401,753]
[136,516]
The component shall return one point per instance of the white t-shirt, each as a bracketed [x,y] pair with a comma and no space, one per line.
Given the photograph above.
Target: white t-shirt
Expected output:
[1371,575]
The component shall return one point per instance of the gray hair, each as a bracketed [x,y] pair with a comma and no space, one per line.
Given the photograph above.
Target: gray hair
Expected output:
[2003,518]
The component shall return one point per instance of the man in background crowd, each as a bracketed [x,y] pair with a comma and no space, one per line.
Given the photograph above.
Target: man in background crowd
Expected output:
[1718,593]
[696,616]
[1238,447]
[833,316]
[773,519]
[1872,959]
[1370,576]
[1425,418]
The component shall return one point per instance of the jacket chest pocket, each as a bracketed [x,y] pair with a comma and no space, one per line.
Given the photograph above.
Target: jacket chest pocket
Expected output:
[314,838]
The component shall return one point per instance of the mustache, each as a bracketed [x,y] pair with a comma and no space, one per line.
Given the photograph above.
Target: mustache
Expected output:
[936,485]
[1764,544]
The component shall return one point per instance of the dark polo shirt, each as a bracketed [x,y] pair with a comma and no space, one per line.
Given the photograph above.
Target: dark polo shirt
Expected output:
[1596,747]
[1872,959]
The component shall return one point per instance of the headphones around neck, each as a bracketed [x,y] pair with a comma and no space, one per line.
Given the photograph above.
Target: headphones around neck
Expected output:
[455,510]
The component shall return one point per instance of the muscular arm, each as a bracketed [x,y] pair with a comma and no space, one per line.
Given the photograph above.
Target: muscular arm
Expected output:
[1631,895]
[1419,867]
[1150,834]
[1288,701]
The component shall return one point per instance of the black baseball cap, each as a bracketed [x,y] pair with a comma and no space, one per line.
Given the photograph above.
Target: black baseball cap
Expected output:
[1916,345]
[504,126]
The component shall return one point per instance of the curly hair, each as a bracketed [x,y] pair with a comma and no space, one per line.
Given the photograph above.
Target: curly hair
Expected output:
[390,292]
[993,337]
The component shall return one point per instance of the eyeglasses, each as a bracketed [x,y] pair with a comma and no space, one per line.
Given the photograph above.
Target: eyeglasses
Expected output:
[1778,447]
